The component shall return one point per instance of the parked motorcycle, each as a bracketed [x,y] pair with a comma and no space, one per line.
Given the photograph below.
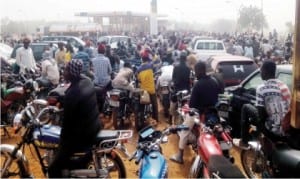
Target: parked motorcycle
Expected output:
[181,98]
[211,141]
[268,159]
[163,86]
[149,152]
[14,99]
[102,160]
[122,106]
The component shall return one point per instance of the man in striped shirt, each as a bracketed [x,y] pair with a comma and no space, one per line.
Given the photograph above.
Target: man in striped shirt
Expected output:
[273,100]
[102,68]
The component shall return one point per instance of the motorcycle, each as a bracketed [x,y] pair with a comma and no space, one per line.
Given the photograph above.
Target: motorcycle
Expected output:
[181,98]
[102,160]
[213,144]
[268,159]
[163,86]
[14,99]
[121,105]
[149,152]
[211,141]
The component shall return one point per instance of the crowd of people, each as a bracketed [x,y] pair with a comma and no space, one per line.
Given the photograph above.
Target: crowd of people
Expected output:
[101,66]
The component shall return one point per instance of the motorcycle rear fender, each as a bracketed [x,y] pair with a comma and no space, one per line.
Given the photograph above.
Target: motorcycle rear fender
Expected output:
[6,148]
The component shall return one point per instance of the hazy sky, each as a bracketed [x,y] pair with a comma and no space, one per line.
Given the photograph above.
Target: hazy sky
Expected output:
[278,12]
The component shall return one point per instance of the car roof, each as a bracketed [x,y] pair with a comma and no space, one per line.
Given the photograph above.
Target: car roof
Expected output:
[209,40]
[227,58]
[285,68]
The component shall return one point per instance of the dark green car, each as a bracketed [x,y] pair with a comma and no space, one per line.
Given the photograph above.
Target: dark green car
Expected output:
[37,49]
[245,92]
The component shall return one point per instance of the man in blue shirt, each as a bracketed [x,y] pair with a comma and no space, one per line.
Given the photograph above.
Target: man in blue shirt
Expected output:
[102,68]
[86,62]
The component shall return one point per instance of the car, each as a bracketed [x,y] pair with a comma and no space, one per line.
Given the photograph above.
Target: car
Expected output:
[230,68]
[37,49]
[75,41]
[204,48]
[114,39]
[236,96]
[5,51]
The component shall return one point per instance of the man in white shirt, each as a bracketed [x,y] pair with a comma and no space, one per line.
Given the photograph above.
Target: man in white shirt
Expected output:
[248,51]
[24,56]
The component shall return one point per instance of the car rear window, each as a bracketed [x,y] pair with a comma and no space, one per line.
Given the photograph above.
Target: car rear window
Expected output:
[210,46]
[235,72]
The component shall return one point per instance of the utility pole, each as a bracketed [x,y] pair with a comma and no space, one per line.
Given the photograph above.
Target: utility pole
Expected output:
[262,13]
[295,105]
[153,18]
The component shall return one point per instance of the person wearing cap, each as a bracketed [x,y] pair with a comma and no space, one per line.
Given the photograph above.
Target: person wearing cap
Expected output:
[50,70]
[24,56]
[145,78]
[102,68]
[181,81]
[80,124]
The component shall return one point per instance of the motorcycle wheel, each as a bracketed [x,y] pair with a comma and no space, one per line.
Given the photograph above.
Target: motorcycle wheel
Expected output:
[12,111]
[14,168]
[114,166]
[252,162]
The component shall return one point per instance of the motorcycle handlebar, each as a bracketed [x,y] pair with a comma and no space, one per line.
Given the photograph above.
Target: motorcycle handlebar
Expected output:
[226,137]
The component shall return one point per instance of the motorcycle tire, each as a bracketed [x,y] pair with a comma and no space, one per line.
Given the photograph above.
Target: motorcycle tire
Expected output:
[117,117]
[118,165]
[15,169]
[196,168]
[252,162]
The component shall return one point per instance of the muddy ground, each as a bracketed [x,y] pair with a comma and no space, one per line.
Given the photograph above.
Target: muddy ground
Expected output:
[170,148]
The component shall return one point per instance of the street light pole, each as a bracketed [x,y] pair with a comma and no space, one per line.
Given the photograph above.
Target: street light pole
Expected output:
[262,20]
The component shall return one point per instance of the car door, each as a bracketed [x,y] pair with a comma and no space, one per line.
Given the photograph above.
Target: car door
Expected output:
[247,92]
[286,78]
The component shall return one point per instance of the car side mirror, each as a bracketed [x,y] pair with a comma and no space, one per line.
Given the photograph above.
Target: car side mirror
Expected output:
[251,91]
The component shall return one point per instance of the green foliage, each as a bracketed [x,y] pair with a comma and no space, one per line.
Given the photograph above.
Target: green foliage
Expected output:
[251,17]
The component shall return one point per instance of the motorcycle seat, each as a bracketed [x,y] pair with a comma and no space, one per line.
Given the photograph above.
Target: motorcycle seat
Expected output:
[107,134]
[223,167]
[44,83]
[287,159]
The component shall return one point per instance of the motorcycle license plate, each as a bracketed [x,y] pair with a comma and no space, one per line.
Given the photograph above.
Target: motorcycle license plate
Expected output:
[223,114]
[225,145]
[114,103]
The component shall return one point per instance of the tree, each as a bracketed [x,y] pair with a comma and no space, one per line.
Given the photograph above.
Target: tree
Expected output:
[251,18]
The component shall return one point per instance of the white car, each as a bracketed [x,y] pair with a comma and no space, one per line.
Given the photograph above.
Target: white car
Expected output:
[5,52]
[205,48]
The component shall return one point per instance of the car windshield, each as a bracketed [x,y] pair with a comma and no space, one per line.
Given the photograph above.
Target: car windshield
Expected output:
[253,82]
